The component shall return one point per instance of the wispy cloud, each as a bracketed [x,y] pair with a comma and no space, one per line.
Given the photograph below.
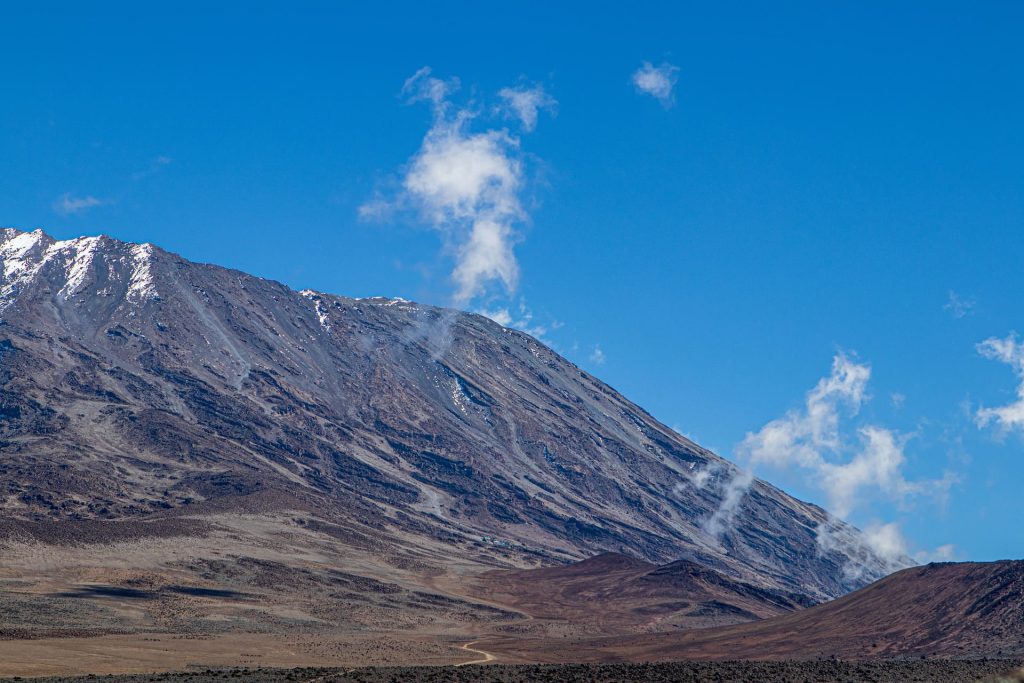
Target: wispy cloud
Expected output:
[520,318]
[886,540]
[525,103]
[957,306]
[67,204]
[888,543]
[376,209]
[732,490]
[850,472]
[597,356]
[422,87]
[944,553]
[657,81]
[156,164]
[811,440]
[1010,351]
[500,316]
[467,185]
[803,436]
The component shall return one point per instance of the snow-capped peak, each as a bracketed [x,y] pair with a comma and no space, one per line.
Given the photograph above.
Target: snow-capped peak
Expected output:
[70,265]
[17,251]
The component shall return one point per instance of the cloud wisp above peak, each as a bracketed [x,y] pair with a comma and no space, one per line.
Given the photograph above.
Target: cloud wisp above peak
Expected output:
[521,318]
[657,81]
[68,204]
[467,184]
[1007,350]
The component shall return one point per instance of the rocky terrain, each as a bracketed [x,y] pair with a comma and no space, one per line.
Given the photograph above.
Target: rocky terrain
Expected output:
[139,386]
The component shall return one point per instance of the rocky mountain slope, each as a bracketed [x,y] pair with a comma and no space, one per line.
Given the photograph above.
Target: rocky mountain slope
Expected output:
[136,385]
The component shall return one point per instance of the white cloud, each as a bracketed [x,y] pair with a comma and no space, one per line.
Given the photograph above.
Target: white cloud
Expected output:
[702,477]
[466,185]
[597,356]
[849,472]
[944,553]
[66,204]
[657,81]
[500,316]
[521,319]
[872,553]
[731,489]
[811,440]
[525,103]
[957,306]
[422,86]
[699,478]
[377,209]
[898,400]
[485,257]
[886,540]
[877,466]
[801,437]
[732,493]
[1010,351]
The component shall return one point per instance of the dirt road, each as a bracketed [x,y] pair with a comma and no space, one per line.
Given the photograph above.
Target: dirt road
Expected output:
[487,656]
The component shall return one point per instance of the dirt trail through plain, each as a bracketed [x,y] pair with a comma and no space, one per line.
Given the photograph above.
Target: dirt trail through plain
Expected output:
[487,656]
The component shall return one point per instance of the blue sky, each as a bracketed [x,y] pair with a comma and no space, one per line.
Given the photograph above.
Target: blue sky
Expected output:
[825,181]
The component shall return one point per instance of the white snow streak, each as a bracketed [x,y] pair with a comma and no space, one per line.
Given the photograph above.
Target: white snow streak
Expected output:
[142,285]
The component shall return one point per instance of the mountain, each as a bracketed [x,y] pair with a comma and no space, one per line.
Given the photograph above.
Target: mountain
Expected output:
[965,610]
[142,394]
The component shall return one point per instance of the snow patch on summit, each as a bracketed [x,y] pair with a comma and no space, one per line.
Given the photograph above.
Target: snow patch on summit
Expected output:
[20,260]
[82,263]
[142,285]
[14,252]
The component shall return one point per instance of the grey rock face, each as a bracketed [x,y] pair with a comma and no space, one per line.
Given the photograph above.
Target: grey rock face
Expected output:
[134,383]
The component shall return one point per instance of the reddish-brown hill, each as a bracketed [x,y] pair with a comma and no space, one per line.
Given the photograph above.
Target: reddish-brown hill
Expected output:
[616,593]
[938,610]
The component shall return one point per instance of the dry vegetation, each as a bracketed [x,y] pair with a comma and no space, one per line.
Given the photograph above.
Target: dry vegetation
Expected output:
[940,671]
